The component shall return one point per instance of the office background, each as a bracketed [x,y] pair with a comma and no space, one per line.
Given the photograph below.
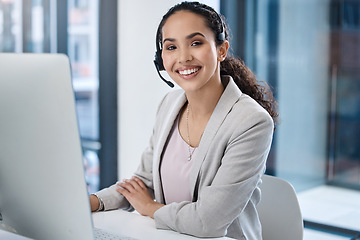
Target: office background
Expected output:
[307,50]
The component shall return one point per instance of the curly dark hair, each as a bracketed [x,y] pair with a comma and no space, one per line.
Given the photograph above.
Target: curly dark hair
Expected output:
[244,78]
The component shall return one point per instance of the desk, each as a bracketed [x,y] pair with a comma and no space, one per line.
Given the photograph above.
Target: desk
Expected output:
[128,224]
[136,226]
[11,236]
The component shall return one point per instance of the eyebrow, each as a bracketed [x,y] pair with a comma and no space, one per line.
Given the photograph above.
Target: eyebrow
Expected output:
[190,36]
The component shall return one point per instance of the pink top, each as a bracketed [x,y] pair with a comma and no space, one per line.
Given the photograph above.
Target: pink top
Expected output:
[175,167]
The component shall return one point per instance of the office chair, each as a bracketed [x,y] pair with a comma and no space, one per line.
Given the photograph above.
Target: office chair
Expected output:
[279,210]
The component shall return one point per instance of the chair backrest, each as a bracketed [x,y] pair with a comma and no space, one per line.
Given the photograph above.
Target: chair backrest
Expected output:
[279,210]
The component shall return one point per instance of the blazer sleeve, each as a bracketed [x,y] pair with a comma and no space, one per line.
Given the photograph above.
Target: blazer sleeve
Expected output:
[234,185]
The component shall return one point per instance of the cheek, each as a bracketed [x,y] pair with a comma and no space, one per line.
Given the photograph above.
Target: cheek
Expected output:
[208,53]
[167,61]
[210,57]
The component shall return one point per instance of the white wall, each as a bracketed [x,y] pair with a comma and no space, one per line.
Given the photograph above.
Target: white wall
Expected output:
[140,89]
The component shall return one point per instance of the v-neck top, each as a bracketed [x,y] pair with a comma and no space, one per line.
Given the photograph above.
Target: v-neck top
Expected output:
[175,167]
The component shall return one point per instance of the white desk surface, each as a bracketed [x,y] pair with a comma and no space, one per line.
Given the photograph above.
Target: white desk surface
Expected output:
[125,223]
[136,226]
[11,236]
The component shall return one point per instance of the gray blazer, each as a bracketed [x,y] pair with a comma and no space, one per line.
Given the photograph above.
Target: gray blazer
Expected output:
[225,174]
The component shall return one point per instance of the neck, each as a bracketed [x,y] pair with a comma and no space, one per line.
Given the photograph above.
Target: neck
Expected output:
[202,102]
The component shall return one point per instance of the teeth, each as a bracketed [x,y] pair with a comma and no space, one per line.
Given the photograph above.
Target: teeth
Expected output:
[188,71]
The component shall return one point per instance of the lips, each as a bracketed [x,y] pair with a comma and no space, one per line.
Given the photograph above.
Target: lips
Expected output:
[188,71]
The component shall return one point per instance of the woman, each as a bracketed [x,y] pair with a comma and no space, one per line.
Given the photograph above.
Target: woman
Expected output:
[210,141]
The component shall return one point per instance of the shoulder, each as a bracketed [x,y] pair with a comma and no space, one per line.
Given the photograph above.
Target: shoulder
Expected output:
[246,114]
[171,98]
[251,118]
[252,111]
[174,95]
[244,110]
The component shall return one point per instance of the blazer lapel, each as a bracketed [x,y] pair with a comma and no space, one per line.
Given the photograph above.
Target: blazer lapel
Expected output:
[229,97]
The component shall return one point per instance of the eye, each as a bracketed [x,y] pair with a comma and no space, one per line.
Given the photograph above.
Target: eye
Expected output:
[171,47]
[196,43]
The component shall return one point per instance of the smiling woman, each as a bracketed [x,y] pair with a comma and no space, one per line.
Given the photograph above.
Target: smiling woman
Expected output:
[211,138]
[192,53]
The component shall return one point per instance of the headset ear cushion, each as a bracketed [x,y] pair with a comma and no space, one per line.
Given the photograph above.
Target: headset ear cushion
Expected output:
[159,61]
[221,36]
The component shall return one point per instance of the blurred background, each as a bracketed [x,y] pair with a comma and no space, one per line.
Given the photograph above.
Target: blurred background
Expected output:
[308,51]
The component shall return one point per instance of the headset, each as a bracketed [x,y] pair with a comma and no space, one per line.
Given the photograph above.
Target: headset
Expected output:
[159,65]
[158,61]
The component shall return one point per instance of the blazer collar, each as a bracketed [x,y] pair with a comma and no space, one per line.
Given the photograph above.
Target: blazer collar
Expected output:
[227,100]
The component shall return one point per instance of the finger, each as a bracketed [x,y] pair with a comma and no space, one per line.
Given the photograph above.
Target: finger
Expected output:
[134,184]
[126,185]
[131,184]
[140,182]
[123,191]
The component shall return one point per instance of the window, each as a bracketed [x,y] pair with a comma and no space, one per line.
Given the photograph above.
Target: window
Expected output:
[309,52]
[344,117]
[83,44]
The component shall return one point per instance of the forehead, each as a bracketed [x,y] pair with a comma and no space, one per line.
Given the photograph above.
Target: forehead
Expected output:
[183,23]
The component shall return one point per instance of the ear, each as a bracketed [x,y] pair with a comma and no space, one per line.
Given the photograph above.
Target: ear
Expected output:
[222,50]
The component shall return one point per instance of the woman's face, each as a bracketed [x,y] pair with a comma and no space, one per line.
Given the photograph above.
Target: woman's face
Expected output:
[190,55]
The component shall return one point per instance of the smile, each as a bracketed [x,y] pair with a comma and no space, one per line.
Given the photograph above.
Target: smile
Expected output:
[189,71]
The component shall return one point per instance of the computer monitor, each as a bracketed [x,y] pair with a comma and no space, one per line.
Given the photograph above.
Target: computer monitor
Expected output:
[43,192]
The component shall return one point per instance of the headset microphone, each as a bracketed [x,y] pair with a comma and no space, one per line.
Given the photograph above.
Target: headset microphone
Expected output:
[160,66]
[158,71]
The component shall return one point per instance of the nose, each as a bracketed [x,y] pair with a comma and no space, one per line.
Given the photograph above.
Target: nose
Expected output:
[185,55]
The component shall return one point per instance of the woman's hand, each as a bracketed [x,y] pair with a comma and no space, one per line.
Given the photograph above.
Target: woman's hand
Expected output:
[136,192]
